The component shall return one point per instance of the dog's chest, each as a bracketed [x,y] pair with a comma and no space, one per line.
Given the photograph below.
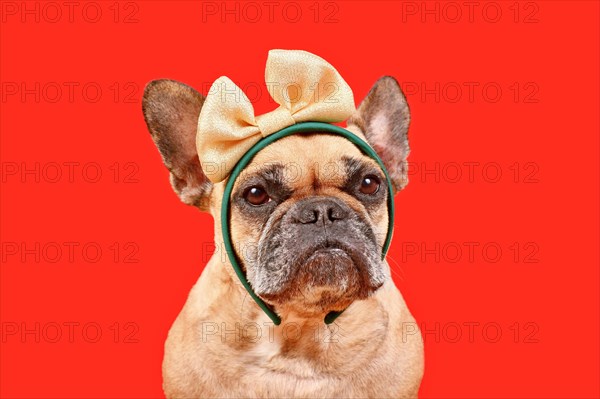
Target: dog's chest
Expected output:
[318,364]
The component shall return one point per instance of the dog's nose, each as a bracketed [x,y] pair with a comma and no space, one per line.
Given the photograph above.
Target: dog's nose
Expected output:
[319,210]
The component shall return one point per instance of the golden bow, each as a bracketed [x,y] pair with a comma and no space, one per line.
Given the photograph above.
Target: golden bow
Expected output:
[306,87]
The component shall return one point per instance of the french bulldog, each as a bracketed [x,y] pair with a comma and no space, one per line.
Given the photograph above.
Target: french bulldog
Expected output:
[308,220]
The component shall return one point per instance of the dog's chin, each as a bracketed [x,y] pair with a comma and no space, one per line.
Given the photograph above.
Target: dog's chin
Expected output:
[327,279]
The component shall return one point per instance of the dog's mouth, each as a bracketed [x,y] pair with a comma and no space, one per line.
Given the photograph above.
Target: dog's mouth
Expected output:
[328,247]
[329,275]
[327,266]
[329,252]
[324,257]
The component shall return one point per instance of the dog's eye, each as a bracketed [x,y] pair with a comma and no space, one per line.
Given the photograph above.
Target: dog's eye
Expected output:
[256,195]
[370,184]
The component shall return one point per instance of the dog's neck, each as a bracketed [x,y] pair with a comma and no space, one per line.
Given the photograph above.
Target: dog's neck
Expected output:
[242,325]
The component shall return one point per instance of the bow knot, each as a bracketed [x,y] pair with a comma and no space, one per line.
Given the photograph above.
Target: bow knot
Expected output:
[274,121]
[306,87]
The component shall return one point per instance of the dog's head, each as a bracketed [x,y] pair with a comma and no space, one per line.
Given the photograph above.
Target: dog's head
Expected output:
[309,214]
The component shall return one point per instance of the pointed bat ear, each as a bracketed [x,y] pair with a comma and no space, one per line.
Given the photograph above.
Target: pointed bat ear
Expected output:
[383,117]
[171,111]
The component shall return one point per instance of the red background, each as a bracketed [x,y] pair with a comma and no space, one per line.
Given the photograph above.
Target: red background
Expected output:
[548,212]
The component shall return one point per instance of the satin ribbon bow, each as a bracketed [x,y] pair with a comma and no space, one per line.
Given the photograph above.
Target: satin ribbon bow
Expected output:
[306,87]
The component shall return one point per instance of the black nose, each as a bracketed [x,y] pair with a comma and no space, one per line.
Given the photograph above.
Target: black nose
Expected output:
[319,210]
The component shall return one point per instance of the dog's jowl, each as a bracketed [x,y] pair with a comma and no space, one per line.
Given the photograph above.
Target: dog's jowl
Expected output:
[307,218]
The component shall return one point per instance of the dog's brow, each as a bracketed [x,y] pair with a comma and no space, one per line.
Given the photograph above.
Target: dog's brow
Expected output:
[353,165]
[273,173]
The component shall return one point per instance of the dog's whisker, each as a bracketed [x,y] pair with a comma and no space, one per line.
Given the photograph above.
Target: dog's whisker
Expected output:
[397,272]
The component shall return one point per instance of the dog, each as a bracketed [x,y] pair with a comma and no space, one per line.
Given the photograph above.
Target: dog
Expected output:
[308,218]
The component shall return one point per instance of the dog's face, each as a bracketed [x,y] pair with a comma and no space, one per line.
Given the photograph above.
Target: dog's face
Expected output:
[311,211]
[309,214]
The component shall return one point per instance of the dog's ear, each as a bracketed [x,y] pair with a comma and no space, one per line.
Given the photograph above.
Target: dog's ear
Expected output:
[171,111]
[383,117]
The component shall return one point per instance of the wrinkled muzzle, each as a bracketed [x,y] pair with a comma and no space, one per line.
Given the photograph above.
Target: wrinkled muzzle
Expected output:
[319,253]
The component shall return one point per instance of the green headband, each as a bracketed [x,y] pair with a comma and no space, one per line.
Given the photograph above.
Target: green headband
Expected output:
[305,127]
